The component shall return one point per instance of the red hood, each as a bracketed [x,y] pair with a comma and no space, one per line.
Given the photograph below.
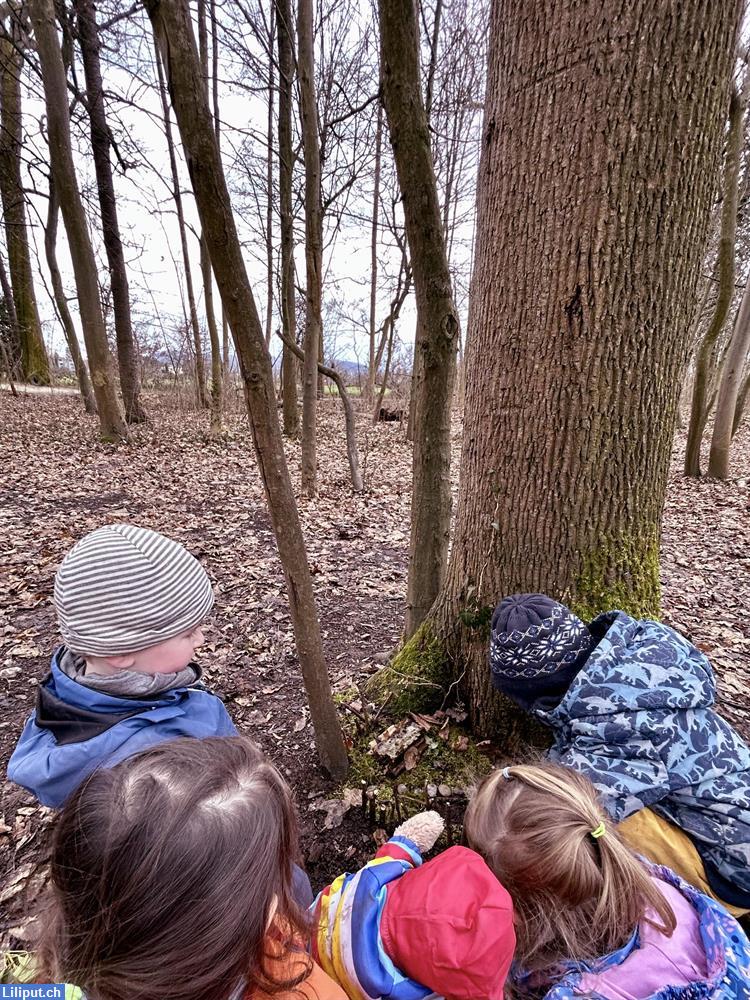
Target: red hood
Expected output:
[449,926]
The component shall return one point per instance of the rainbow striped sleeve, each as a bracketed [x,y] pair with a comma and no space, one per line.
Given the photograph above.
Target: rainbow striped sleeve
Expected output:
[346,938]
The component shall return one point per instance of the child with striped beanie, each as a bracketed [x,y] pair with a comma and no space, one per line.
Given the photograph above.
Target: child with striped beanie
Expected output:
[130,603]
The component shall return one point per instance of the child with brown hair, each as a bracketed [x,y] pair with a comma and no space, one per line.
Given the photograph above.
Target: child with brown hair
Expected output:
[592,919]
[171,876]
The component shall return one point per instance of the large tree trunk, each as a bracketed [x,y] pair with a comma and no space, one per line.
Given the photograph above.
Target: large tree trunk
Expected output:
[725,266]
[111,421]
[313,241]
[33,353]
[437,321]
[286,166]
[174,37]
[127,358]
[589,244]
[50,252]
[729,390]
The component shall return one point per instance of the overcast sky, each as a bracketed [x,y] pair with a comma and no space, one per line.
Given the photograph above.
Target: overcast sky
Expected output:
[149,224]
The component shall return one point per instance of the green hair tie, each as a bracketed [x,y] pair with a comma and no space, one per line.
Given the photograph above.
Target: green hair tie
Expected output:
[599,831]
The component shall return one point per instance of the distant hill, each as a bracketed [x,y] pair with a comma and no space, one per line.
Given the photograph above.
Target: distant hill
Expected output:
[350,368]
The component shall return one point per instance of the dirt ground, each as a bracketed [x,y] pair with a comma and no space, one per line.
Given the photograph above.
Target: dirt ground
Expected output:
[58,482]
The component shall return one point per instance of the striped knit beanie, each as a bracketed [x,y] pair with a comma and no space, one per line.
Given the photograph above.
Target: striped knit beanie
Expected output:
[123,588]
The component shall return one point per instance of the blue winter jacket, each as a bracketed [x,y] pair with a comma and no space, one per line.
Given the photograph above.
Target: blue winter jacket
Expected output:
[85,729]
[638,721]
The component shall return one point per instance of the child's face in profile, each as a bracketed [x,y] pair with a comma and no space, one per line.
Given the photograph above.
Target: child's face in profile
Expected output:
[167,657]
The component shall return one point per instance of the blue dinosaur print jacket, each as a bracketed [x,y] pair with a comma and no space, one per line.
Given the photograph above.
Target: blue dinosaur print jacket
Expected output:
[638,721]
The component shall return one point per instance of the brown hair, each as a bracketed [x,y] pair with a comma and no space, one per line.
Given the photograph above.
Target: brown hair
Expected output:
[164,873]
[576,897]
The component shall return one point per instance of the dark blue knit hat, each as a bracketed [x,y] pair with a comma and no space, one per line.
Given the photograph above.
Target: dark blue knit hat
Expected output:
[536,647]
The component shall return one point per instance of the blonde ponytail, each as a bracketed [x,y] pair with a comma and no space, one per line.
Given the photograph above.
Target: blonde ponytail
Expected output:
[578,891]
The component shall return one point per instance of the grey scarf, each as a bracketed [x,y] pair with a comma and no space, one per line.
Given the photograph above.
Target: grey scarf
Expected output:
[126,683]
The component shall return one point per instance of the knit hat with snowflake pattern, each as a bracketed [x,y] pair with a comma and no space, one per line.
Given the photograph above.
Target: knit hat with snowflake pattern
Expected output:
[537,647]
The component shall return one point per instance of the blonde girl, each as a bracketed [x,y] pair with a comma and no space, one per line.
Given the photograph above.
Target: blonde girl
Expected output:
[593,919]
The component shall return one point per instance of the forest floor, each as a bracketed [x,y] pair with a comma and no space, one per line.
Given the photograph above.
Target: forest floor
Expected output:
[59,482]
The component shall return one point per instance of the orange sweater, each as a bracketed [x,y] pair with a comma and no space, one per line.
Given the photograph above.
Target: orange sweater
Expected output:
[316,986]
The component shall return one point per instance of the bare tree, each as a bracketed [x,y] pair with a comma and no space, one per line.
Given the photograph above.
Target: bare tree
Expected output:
[200,373]
[729,390]
[739,409]
[111,421]
[352,452]
[33,359]
[725,266]
[371,369]
[14,335]
[217,378]
[437,320]
[313,241]
[174,38]
[61,303]
[388,328]
[286,167]
[88,37]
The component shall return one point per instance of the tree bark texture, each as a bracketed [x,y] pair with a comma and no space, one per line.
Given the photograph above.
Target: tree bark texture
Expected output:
[729,390]
[286,167]
[313,241]
[111,420]
[600,153]
[33,353]
[127,357]
[725,266]
[50,252]
[437,320]
[174,38]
